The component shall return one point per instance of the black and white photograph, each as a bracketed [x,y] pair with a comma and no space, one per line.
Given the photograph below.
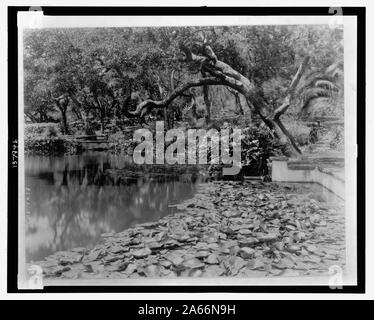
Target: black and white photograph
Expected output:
[188,150]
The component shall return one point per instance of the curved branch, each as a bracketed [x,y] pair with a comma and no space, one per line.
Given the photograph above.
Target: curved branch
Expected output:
[291,89]
[145,106]
[223,74]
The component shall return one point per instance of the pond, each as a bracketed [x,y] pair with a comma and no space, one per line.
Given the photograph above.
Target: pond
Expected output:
[71,200]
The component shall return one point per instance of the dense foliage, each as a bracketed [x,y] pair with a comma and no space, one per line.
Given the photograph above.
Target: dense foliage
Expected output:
[81,81]
[46,139]
[96,74]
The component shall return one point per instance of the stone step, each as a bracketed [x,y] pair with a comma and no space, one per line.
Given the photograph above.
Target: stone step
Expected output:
[301,166]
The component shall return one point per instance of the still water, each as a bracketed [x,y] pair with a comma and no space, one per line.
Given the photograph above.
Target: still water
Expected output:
[71,200]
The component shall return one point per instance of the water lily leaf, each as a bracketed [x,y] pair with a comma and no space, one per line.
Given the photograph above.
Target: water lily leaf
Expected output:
[165,263]
[212,259]
[213,271]
[311,248]
[131,268]
[174,258]
[88,268]
[213,246]
[256,264]
[112,257]
[141,253]
[154,245]
[267,237]
[73,273]
[293,248]
[152,271]
[159,236]
[245,231]
[246,272]
[331,257]
[275,272]
[227,230]
[180,237]
[234,264]
[247,242]
[279,246]
[202,254]
[301,266]
[290,227]
[195,273]
[284,263]
[246,252]
[193,263]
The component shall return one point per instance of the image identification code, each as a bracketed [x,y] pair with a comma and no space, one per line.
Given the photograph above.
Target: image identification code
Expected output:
[201,309]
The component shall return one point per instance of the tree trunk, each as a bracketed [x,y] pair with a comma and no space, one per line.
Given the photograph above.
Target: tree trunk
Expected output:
[102,121]
[222,74]
[65,126]
[166,119]
[87,126]
[64,122]
[207,103]
[239,107]
[31,117]
[102,113]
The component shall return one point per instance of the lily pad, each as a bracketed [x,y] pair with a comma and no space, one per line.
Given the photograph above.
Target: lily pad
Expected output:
[213,271]
[202,254]
[193,263]
[212,259]
[267,237]
[141,253]
[174,258]
[246,252]
[131,268]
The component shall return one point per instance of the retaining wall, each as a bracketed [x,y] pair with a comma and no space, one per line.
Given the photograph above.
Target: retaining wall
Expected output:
[284,169]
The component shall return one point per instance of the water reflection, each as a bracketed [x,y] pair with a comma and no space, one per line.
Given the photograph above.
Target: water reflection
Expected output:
[72,201]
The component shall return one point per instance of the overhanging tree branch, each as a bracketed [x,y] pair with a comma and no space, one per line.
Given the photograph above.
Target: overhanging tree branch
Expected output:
[291,90]
[145,106]
[221,73]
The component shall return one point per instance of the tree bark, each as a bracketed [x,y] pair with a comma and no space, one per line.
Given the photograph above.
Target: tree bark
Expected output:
[207,103]
[62,104]
[31,117]
[238,103]
[102,112]
[144,107]
[65,121]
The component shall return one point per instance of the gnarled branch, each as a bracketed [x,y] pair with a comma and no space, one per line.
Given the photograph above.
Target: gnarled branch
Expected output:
[291,89]
[217,72]
[145,106]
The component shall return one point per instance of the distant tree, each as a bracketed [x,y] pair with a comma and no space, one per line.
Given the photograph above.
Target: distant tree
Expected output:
[53,58]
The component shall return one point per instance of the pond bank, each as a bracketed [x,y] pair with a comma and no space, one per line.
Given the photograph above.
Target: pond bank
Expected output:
[240,229]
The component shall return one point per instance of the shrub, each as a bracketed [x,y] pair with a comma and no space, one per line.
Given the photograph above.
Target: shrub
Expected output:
[258,145]
[46,139]
[336,138]
[52,132]
[41,129]
[50,146]
[121,142]
[299,131]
